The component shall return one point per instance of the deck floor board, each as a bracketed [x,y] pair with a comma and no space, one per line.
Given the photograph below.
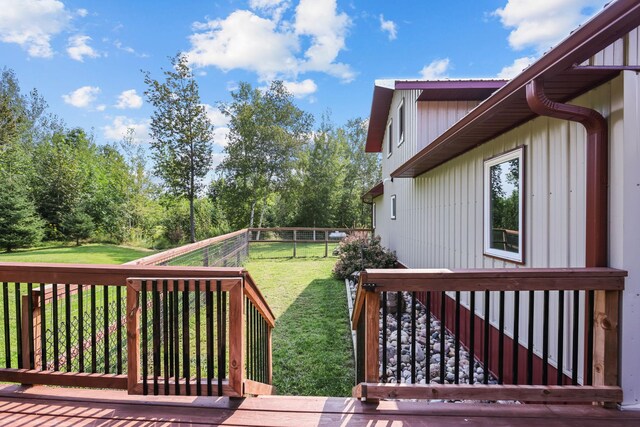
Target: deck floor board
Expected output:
[44,406]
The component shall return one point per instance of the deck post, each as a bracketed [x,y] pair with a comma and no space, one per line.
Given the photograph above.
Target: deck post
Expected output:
[371,336]
[133,338]
[236,338]
[35,315]
[606,338]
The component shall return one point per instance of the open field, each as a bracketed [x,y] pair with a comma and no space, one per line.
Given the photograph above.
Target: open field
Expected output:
[94,253]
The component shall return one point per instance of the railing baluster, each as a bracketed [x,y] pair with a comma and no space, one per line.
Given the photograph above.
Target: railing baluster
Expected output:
[209,317]
[43,329]
[545,338]
[144,338]
[428,338]
[55,325]
[94,347]
[165,334]
[532,298]
[176,336]
[105,297]
[224,334]
[399,301]
[171,316]
[198,284]
[19,308]
[589,362]
[119,330]
[32,360]
[456,369]
[221,350]
[443,316]
[7,334]
[186,362]
[501,339]
[574,344]
[384,337]
[472,335]
[67,324]
[155,301]
[413,337]
[487,332]
[560,346]
[516,336]
[80,329]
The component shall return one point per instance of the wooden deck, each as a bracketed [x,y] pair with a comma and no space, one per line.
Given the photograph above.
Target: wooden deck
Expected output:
[44,406]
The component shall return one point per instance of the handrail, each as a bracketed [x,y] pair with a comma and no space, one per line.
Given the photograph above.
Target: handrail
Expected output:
[307,229]
[252,292]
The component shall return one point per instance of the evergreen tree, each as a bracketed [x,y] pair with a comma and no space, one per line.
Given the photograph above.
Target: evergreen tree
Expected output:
[20,225]
[77,224]
[181,133]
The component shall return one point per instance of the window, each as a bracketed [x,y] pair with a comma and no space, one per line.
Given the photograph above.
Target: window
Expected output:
[373,215]
[390,137]
[503,208]
[401,123]
[393,207]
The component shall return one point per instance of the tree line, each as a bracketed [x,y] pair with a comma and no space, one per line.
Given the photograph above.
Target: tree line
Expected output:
[58,184]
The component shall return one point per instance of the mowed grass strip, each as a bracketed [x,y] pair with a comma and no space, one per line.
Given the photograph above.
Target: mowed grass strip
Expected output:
[312,347]
[94,253]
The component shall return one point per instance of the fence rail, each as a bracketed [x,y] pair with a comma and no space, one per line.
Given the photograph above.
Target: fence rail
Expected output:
[298,241]
[540,334]
[134,327]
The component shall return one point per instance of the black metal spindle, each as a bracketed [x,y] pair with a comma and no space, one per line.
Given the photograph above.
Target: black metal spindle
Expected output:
[545,338]
[501,338]
[119,330]
[80,329]
[155,301]
[171,316]
[413,337]
[384,337]
[574,344]
[487,332]
[589,362]
[19,309]
[105,298]
[472,335]
[144,343]
[165,334]
[443,314]
[7,335]
[43,328]
[176,336]
[221,350]
[247,338]
[186,359]
[456,356]
[532,298]
[209,317]
[516,336]
[198,347]
[67,324]
[32,361]
[224,333]
[94,346]
[560,337]
[55,325]
[399,301]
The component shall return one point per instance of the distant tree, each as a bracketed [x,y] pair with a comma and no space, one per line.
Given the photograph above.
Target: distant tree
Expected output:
[77,224]
[181,133]
[20,225]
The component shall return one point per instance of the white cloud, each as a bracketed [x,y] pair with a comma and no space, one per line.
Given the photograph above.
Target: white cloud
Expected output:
[32,23]
[120,46]
[510,71]
[216,159]
[270,47]
[437,69]
[82,12]
[220,123]
[274,8]
[389,27]
[220,136]
[101,107]
[78,48]
[543,23]
[129,99]
[301,89]
[119,128]
[82,97]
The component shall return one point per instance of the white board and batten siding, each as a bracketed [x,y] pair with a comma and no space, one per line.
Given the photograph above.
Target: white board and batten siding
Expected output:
[439,218]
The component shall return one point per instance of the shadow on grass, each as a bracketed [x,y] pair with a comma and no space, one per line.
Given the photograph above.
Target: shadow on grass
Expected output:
[312,347]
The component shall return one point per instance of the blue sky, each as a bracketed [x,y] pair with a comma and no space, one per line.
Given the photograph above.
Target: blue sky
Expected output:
[86,57]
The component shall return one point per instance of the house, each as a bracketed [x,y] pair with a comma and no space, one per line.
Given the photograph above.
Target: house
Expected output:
[541,171]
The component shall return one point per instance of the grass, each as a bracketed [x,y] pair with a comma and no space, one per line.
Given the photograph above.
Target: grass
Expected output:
[312,347]
[94,253]
[270,250]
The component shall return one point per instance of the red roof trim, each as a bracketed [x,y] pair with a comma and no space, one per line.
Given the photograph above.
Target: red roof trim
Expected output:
[375,191]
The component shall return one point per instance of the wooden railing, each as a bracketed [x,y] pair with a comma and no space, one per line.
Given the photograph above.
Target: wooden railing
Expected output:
[541,335]
[173,330]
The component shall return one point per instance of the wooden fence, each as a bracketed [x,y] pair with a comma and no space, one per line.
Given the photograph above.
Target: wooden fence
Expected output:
[588,332]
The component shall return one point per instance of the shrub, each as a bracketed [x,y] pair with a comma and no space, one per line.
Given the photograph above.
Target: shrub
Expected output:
[358,253]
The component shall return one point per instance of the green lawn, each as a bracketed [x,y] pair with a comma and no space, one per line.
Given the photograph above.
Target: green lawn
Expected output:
[86,254]
[270,250]
[312,347]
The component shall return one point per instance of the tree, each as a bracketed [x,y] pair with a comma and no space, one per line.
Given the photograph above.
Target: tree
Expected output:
[267,134]
[181,132]
[77,224]
[20,226]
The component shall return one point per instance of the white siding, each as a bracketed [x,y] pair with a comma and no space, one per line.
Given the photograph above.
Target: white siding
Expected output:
[435,117]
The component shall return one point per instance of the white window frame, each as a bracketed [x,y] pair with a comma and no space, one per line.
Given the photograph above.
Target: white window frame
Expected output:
[373,215]
[402,123]
[390,138]
[394,206]
[517,257]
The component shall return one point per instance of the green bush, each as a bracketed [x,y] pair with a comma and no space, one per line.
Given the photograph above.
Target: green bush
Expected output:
[359,253]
